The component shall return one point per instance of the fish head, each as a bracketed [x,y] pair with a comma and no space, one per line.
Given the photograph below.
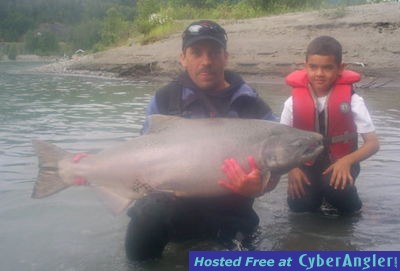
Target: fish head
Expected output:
[289,148]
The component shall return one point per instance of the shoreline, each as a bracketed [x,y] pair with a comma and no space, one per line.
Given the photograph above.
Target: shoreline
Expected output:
[265,49]
[373,80]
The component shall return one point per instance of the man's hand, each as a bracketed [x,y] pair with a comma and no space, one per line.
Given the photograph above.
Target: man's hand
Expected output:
[296,182]
[244,183]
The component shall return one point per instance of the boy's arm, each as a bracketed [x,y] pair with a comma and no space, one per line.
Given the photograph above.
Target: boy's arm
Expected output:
[341,168]
[369,148]
[287,113]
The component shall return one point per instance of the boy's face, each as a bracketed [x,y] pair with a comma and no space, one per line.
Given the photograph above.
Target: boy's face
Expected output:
[322,72]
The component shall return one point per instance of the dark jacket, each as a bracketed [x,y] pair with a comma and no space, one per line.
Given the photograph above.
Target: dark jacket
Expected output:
[182,98]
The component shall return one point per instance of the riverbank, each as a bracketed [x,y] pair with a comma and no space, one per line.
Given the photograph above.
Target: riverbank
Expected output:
[267,47]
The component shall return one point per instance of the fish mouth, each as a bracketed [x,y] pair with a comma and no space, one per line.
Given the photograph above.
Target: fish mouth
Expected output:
[312,152]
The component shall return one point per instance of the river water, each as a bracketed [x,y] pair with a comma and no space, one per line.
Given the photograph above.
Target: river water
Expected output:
[73,231]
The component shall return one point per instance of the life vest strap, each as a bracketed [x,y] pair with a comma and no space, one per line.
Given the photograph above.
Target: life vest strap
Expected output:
[340,138]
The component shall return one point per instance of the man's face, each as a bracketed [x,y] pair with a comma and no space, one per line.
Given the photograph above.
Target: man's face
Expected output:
[322,72]
[205,63]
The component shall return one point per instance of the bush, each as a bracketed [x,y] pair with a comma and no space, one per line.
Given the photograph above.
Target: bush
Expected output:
[41,43]
[114,28]
[12,52]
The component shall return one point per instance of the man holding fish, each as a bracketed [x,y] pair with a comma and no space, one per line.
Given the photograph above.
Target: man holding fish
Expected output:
[204,90]
[206,151]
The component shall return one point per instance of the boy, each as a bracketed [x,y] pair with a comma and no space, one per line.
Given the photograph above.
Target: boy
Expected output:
[323,100]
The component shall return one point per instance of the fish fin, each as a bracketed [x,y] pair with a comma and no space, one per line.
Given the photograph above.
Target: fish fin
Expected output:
[266,176]
[115,201]
[270,181]
[48,182]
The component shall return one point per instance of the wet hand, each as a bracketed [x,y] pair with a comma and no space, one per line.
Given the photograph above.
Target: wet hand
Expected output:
[241,182]
[341,174]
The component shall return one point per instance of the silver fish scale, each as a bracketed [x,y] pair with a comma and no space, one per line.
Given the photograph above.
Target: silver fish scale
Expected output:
[142,187]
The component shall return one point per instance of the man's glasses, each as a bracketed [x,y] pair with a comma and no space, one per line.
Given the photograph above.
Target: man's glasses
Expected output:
[201,29]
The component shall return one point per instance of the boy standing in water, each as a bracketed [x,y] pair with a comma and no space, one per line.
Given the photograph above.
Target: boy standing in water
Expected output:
[323,100]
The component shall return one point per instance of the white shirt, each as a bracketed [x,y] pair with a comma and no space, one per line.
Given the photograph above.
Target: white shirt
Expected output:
[360,112]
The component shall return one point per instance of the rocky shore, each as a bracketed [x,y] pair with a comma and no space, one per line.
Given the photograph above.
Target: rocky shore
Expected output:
[267,47]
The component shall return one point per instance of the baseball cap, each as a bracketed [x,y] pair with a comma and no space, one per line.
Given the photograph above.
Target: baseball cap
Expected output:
[204,30]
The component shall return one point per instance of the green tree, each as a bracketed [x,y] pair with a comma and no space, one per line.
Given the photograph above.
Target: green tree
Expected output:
[12,52]
[86,34]
[14,25]
[114,28]
[41,43]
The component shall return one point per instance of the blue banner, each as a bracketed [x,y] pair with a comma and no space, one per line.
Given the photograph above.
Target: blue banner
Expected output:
[294,260]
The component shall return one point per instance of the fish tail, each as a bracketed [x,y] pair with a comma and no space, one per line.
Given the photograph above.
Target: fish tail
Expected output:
[49,181]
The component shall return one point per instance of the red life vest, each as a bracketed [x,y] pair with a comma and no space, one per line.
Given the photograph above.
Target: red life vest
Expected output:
[340,130]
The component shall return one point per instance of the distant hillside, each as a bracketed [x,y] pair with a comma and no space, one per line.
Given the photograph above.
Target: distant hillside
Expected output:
[272,45]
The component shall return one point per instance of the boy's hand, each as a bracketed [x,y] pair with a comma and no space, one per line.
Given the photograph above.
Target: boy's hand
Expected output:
[296,182]
[341,174]
[247,184]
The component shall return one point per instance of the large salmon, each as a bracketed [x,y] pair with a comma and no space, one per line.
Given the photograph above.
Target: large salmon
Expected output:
[178,155]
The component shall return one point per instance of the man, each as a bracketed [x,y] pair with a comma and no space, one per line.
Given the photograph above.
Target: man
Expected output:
[204,90]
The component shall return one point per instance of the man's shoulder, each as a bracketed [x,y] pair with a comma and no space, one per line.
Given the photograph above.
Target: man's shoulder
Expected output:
[167,98]
[171,87]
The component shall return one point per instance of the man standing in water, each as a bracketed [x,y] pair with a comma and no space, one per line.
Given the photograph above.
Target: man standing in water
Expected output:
[204,90]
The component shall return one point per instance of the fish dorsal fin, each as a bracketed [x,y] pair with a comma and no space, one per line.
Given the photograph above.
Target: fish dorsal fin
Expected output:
[157,123]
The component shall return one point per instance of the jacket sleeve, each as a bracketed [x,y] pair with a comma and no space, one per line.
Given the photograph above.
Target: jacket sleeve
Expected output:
[151,109]
[254,108]
[164,100]
[269,114]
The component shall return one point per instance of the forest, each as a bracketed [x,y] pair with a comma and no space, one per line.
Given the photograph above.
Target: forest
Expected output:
[61,27]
